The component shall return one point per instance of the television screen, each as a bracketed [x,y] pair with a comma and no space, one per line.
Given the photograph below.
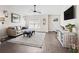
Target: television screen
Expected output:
[69,13]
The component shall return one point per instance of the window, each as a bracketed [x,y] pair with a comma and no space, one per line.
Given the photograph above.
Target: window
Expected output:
[34,24]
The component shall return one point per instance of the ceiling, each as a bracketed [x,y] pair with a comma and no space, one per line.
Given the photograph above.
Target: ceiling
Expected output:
[45,9]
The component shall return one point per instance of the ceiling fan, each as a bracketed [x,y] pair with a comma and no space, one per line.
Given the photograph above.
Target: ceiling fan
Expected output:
[35,10]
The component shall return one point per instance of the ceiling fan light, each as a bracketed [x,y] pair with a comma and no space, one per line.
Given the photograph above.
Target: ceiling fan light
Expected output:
[34,11]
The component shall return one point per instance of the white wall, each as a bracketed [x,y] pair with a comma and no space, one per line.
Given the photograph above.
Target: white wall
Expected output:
[53,25]
[65,22]
[77,23]
[44,28]
[7,21]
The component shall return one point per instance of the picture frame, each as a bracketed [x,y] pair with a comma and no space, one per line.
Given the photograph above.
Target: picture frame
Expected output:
[15,18]
[44,21]
[55,20]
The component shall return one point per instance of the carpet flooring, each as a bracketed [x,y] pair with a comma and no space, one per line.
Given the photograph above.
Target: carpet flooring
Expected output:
[36,40]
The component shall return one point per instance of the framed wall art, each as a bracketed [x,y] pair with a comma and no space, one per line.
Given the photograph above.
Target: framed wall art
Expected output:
[15,18]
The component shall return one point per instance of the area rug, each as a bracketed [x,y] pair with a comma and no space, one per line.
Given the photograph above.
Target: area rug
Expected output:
[35,41]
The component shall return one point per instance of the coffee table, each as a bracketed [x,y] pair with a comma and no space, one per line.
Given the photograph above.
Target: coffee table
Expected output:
[29,33]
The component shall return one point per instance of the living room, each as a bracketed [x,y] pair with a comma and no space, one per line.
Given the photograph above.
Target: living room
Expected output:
[38,20]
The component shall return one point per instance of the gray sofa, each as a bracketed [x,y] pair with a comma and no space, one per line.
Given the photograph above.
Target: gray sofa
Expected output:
[14,31]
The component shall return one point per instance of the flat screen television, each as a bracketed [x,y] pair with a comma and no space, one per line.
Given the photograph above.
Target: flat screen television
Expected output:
[69,13]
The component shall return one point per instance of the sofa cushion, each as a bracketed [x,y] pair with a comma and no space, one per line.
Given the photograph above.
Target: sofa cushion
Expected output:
[18,27]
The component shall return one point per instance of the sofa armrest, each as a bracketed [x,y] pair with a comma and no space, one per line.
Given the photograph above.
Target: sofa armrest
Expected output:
[11,32]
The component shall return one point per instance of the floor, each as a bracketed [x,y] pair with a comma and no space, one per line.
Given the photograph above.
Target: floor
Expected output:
[50,45]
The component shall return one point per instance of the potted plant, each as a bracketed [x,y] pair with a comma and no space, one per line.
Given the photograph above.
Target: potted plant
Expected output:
[73,48]
[70,27]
